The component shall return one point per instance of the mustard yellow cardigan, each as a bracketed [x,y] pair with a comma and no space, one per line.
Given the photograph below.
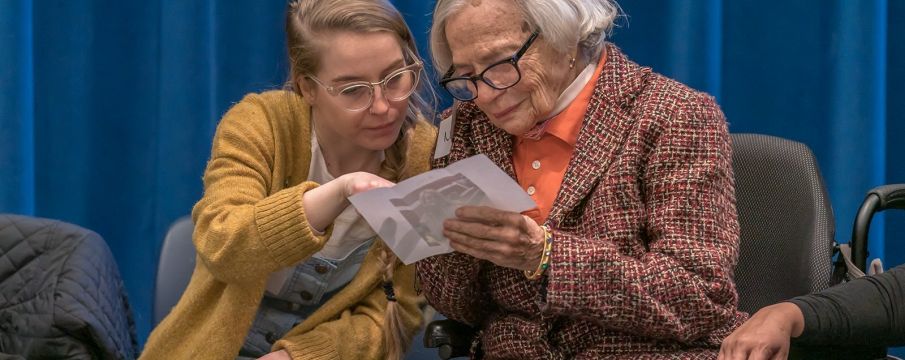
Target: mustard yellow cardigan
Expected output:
[250,222]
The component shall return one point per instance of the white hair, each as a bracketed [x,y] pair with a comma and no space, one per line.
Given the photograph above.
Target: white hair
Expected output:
[565,24]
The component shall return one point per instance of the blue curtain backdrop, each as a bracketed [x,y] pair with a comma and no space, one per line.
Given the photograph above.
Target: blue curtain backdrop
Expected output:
[107,108]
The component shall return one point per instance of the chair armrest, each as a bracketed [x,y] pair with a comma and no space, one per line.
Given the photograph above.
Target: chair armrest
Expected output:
[452,338]
[878,199]
[892,196]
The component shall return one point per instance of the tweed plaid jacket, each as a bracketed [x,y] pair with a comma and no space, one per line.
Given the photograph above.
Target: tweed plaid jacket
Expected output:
[645,233]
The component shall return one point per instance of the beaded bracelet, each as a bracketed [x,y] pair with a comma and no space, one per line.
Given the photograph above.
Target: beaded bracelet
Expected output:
[544,257]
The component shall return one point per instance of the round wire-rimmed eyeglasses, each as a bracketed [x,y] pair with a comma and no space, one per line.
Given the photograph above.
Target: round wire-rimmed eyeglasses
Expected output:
[359,95]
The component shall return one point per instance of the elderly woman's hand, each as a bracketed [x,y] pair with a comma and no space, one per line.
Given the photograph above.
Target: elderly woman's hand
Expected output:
[504,238]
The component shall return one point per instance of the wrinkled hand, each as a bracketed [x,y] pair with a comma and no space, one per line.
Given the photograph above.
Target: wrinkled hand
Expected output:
[765,335]
[276,355]
[357,182]
[504,238]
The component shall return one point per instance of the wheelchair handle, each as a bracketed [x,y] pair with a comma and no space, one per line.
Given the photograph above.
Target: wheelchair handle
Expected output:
[878,199]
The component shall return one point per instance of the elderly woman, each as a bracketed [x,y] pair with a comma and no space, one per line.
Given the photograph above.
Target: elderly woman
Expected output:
[630,252]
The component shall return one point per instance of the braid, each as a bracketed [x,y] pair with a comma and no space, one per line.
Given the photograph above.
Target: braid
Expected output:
[395,337]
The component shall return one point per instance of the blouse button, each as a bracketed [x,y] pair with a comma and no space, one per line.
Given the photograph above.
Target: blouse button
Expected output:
[531,190]
[535,164]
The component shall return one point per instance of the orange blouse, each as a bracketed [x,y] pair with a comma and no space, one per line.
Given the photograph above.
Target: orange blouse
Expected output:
[540,165]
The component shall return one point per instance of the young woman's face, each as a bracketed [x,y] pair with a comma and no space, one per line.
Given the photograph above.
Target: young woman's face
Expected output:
[351,58]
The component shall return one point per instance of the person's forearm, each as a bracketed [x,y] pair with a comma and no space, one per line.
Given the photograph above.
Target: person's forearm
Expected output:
[870,310]
[324,203]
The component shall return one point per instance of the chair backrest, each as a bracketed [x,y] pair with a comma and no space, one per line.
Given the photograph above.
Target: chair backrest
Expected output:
[174,270]
[786,221]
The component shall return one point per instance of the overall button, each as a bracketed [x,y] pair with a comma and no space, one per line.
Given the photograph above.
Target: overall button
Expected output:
[321,268]
[306,295]
[270,337]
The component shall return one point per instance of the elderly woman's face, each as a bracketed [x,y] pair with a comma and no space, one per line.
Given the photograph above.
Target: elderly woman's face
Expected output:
[485,32]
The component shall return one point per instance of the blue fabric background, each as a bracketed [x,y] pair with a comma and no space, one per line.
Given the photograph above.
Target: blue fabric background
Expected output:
[107,108]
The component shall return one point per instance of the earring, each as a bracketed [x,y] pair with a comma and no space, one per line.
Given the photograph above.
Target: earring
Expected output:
[572,62]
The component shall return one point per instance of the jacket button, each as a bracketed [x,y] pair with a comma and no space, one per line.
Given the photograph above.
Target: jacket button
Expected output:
[271,337]
[306,295]
[321,268]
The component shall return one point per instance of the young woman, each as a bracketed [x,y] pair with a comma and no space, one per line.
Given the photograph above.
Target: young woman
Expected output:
[286,268]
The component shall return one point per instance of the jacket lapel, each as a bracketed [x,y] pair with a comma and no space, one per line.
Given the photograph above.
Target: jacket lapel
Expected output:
[607,122]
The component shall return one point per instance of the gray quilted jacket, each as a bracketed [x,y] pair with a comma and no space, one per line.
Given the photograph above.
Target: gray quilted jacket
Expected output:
[61,295]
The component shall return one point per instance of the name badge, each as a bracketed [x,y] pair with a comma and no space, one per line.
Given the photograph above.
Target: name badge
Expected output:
[444,136]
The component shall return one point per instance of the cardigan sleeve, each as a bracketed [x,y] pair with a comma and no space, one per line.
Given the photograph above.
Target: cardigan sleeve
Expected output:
[357,333]
[681,288]
[242,232]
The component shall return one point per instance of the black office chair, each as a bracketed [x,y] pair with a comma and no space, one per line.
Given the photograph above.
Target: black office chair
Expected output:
[787,238]
[785,218]
[787,231]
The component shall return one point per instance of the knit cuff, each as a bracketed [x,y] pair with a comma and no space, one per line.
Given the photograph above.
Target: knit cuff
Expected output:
[283,226]
[308,347]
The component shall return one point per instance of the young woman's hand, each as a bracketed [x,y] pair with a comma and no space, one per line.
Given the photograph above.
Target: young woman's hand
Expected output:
[323,204]
[358,182]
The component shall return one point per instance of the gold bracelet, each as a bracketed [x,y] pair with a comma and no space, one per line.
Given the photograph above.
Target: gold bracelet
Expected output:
[544,256]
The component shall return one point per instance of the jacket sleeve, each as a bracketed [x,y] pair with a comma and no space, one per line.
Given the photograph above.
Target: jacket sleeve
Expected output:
[865,311]
[242,233]
[681,288]
[451,284]
[357,333]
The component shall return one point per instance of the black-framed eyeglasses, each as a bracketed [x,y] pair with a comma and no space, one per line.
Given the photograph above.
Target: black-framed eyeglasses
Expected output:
[500,75]
[358,95]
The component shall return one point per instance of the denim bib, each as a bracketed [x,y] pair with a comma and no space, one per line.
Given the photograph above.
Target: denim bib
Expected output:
[304,292]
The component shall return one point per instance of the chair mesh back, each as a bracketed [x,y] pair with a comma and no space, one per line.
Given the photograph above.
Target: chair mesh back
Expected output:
[174,269]
[785,218]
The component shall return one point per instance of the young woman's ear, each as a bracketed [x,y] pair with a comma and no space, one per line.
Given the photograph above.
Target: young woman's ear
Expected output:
[307,87]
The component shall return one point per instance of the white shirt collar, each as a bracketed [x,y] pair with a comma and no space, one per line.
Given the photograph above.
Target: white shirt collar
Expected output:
[572,91]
